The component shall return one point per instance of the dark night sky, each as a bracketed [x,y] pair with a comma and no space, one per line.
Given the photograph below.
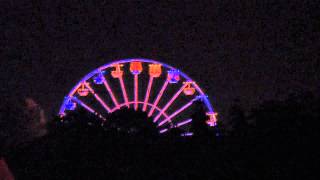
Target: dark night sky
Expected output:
[253,51]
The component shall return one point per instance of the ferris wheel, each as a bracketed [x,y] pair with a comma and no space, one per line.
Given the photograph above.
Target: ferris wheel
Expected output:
[166,94]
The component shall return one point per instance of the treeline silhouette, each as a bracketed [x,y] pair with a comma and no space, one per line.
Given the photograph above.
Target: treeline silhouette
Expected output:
[275,140]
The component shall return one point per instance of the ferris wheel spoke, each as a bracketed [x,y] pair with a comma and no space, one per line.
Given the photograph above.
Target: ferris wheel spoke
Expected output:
[177,112]
[114,99]
[88,108]
[155,103]
[97,97]
[136,88]
[163,130]
[184,122]
[124,92]
[146,99]
[169,103]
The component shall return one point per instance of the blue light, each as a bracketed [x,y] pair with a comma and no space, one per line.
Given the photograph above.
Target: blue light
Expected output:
[98,79]
[70,105]
[173,76]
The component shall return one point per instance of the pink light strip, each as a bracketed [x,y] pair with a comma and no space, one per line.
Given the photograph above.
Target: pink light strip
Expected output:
[187,134]
[84,105]
[176,112]
[163,131]
[146,99]
[136,88]
[155,103]
[106,84]
[169,103]
[140,102]
[184,122]
[124,92]
[97,97]
[88,108]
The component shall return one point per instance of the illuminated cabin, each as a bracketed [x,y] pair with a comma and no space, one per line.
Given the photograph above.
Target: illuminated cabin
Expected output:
[70,105]
[173,76]
[98,79]
[189,90]
[135,67]
[155,70]
[83,91]
[212,121]
[117,73]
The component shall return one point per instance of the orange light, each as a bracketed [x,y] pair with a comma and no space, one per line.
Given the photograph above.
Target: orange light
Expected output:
[212,121]
[155,70]
[117,73]
[188,90]
[135,67]
[83,91]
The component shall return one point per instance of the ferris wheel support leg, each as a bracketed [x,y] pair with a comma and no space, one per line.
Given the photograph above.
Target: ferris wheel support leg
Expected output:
[169,103]
[124,92]
[155,103]
[98,97]
[114,99]
[176,112]
[136,91]
[146,99]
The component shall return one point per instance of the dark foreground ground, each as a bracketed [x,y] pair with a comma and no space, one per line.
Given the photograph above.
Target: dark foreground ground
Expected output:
[278,143]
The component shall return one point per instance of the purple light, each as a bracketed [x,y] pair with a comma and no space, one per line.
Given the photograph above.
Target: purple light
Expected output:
[70,105]
[84,105]
[176,112]
[184,122]
[155,103]
[163,130]
[169,103]
[187,134]
[98,79]
[174,76]
[97,97]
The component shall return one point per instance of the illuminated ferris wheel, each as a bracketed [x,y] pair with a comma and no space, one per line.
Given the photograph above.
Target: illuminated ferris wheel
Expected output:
[166,94]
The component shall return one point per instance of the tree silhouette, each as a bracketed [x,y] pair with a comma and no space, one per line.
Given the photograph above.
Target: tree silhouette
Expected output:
[278,144]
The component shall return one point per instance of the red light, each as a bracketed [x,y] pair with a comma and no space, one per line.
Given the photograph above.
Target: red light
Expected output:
[135,67]
[188,90]
[83,91]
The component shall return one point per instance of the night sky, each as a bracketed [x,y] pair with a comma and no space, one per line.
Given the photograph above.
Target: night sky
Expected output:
[253,51]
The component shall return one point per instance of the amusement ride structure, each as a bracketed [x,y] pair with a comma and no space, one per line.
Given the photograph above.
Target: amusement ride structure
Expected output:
[162,91]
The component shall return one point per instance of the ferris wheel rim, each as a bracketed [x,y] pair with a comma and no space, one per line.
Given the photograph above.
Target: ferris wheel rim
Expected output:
[129,60]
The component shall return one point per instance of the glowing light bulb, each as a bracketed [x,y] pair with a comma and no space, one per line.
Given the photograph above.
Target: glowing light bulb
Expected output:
[117,73]
[136,67]
[83,91]
[155,70]
[188,90]
[70,105]
[212,121]
[173,76]
[98,79]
